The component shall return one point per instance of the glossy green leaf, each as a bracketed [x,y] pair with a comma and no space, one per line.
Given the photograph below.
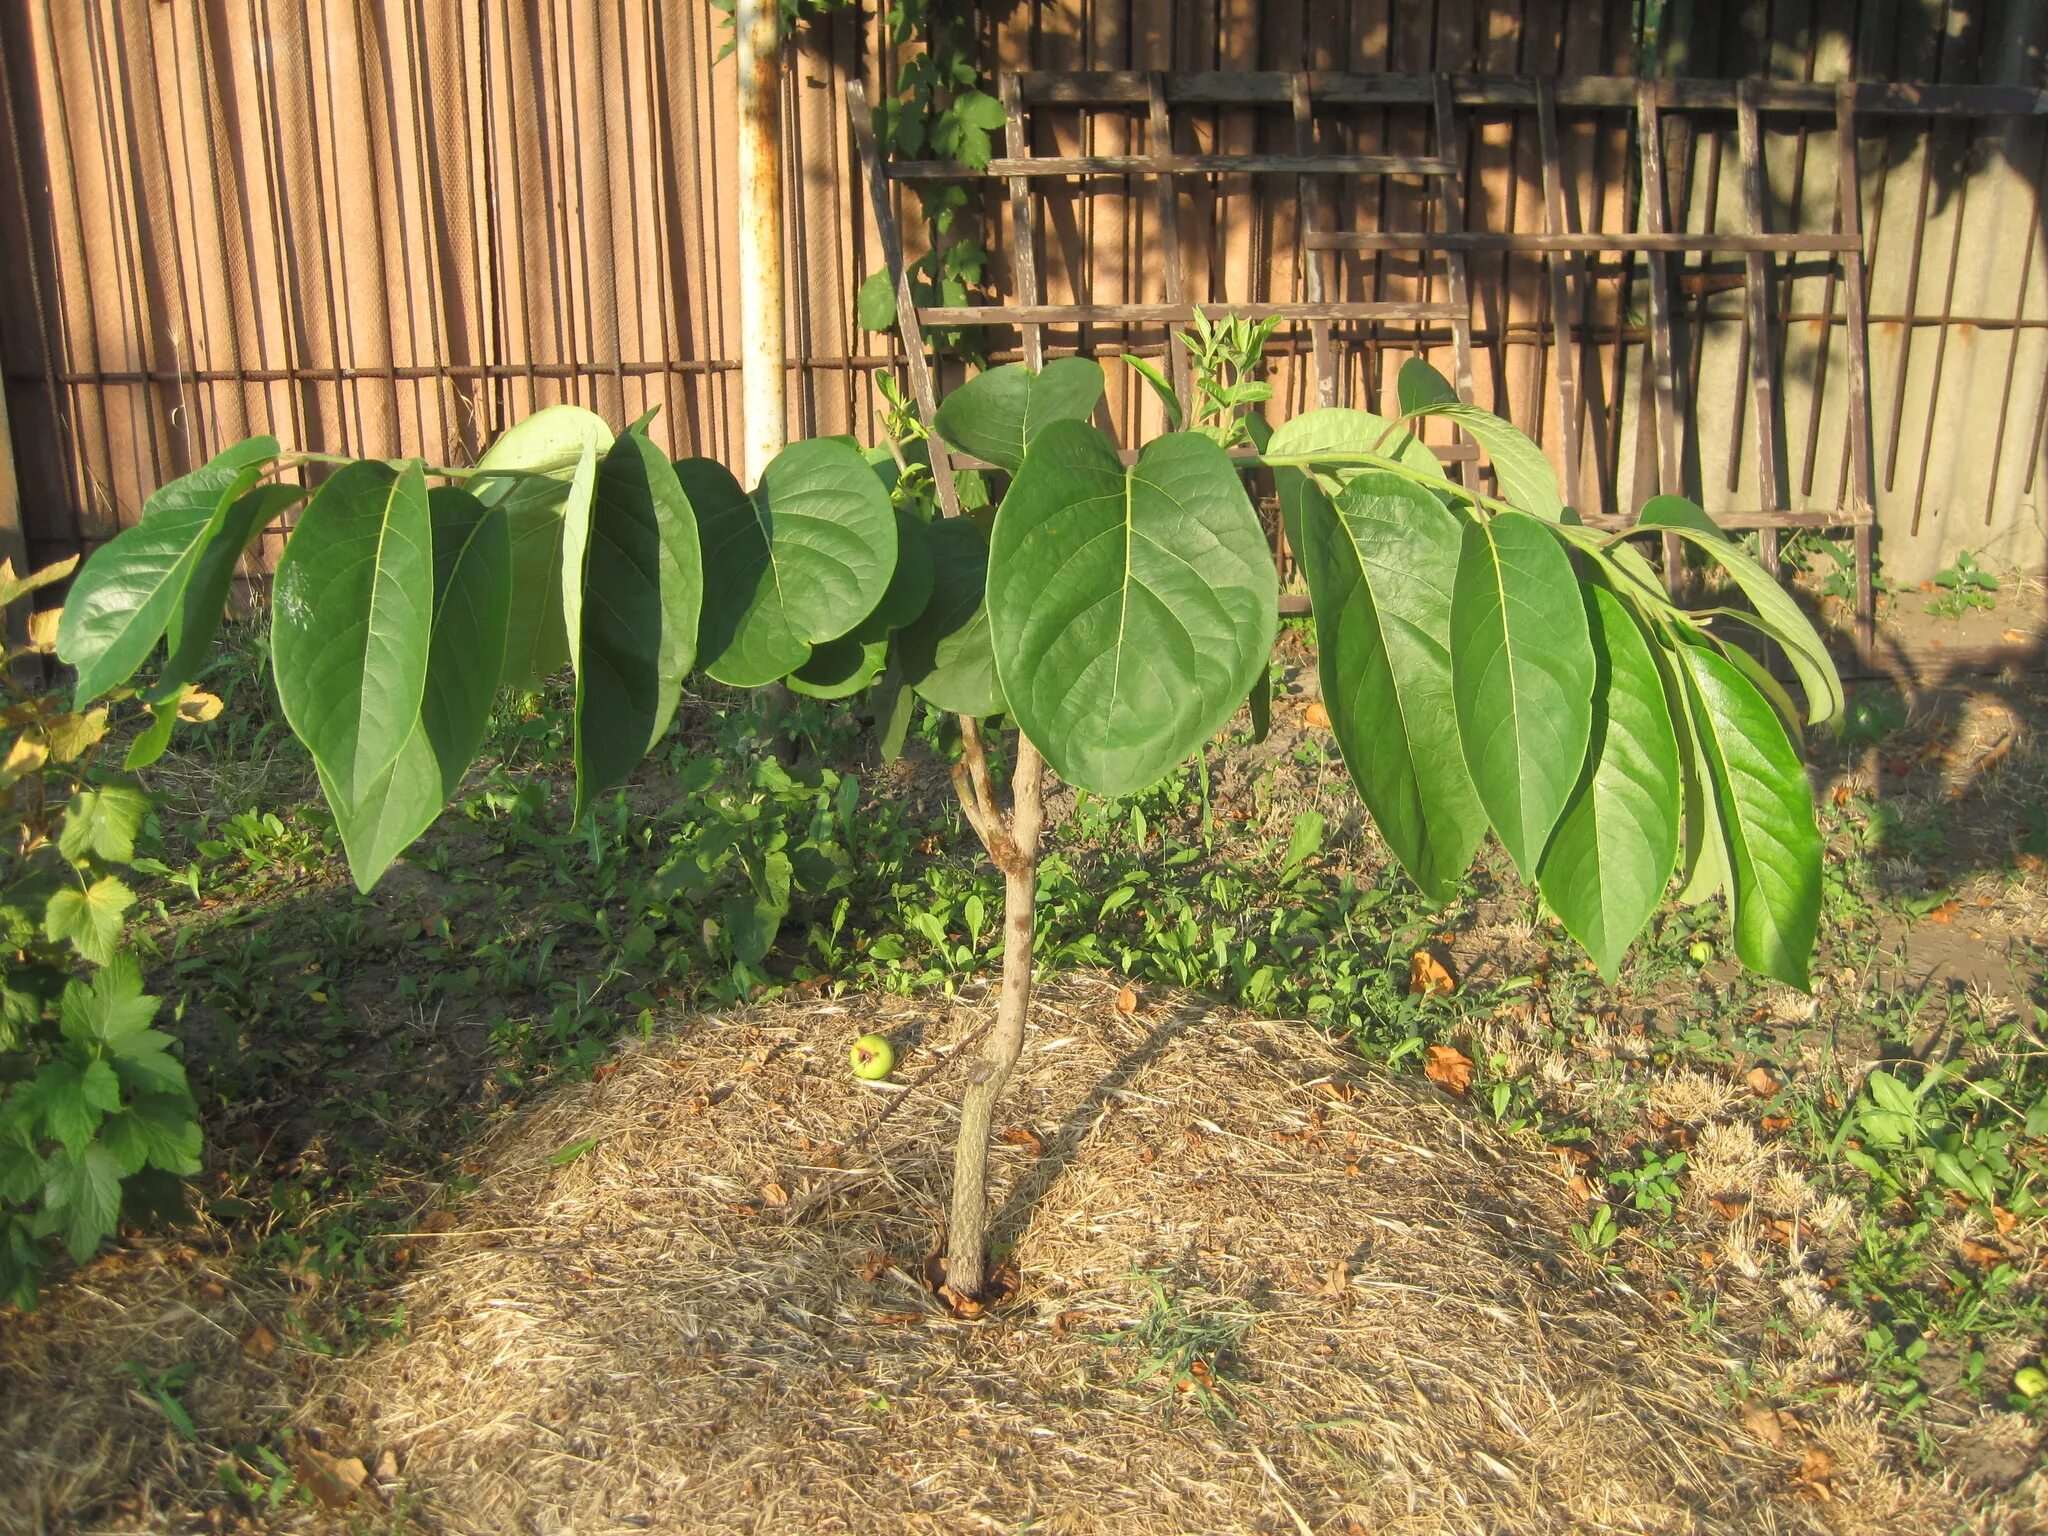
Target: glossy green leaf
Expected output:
[1130,610]
[1337,430]
[840,668]
[197,618]
[1777,615]
[1162,388]
[128,592]
[632,597]
[909,591]
[1610,857]
[555,452]
[1381,563]
[472,605]
[801,561]
[352,618]
[1772,843]
[1526,479]
[997,414]
[1522,674]
[1420,387]
[945,653]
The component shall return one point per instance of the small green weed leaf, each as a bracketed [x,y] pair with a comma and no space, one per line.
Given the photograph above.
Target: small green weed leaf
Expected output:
[353,618]
[998,414]
[1610,857]
[1772,843]
[1522,674]
[1130,610]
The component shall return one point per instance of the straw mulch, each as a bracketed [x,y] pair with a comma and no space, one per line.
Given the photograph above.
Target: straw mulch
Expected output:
[687,1297]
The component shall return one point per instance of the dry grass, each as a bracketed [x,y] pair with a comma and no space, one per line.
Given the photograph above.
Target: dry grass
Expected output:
[685,1298]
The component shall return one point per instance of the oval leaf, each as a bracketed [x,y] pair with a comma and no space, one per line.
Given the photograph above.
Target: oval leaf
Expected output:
[1381,563]
[945,653]
[1524,475]
[633,588]
[472,606]
[1771,842]
[555,452]
[352,618]
[998,413]
[1611,855]
[801,561]
[196,619]
[1130,610]
[128,592]
[1522,675]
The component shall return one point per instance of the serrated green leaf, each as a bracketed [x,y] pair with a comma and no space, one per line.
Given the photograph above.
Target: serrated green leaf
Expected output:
[89,919]
[1522,674]
[81,1198]
[1381,564]
[945,653]
[801,561]
[1772,843]
[980,109]
[1610,857]
[102,823]
[352,620]
[632,600]
[465,659]
[110,1011]
[156,1131]
[556,452]
[997,414]
[125,597]
[1129,609]
[70,1098]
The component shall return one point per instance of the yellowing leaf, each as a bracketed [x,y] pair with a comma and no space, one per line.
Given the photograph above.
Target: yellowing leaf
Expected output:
[26,755]
[1429,976]
[1448,1067]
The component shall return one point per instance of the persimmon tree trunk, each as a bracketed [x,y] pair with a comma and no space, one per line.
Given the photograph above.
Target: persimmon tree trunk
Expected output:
[1012,840]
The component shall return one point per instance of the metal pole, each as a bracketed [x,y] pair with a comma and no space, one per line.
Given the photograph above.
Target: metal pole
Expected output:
[762,344]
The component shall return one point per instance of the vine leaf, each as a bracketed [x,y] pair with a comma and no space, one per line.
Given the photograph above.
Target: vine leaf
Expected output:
[1130,609]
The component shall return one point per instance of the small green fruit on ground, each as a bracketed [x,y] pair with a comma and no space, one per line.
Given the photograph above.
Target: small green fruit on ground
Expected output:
[1701,951]
[872,1058]
[2031,1380]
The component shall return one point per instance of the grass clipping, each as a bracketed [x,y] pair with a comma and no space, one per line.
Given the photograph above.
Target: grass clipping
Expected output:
[1262,1290]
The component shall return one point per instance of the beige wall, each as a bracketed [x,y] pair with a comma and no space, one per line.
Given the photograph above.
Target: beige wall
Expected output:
[393,226]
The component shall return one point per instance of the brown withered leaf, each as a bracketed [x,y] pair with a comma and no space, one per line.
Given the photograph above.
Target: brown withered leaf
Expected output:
[773,1194]
[1448,1067]
[1428,976]
[873,1265]
[1768,1425]
[259,1343]
[1945,913]
[1729,1206]
[1760,1082]
[2005,1219]
[1580,1189]
[333,1480]
[438,1221]
[1067,1322]
[1127,1000]
[1775,1125]
[1983,1255]
[1336,1285]
[1316,716]
[1816,1466]
[1023,1136]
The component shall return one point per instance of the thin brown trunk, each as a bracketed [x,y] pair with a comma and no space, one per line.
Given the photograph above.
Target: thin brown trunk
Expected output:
[1012,841]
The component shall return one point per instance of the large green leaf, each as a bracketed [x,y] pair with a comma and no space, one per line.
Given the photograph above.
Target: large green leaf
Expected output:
[472,602]
[801,561]
[1777,615]
[1130,610]
[1381,563]
[997,414]
[125,597]
[1610,856]
[196,619]
[945,653]
[1526,479]
[555,454]
[1772,843]
[1339,431]
[1522,674]
[632,594]
[352,619]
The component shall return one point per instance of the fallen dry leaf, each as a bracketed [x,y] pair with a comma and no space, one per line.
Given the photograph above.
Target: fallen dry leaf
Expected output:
[1775,1125]
[873,1265]
[1816,1466]
[333,1480]
[1316,715]
[1945,913]
[437,1221]
[1448,1067]
[2012,637]
[774,1194]
[1767,1424]
[1983,1255]
[259,1343]
[1760,1082]
[1127,999]
[1580,1189]
[2005,1219]
[1336,1285]
[1429,976]
[1021,1136]
[1729,1206]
